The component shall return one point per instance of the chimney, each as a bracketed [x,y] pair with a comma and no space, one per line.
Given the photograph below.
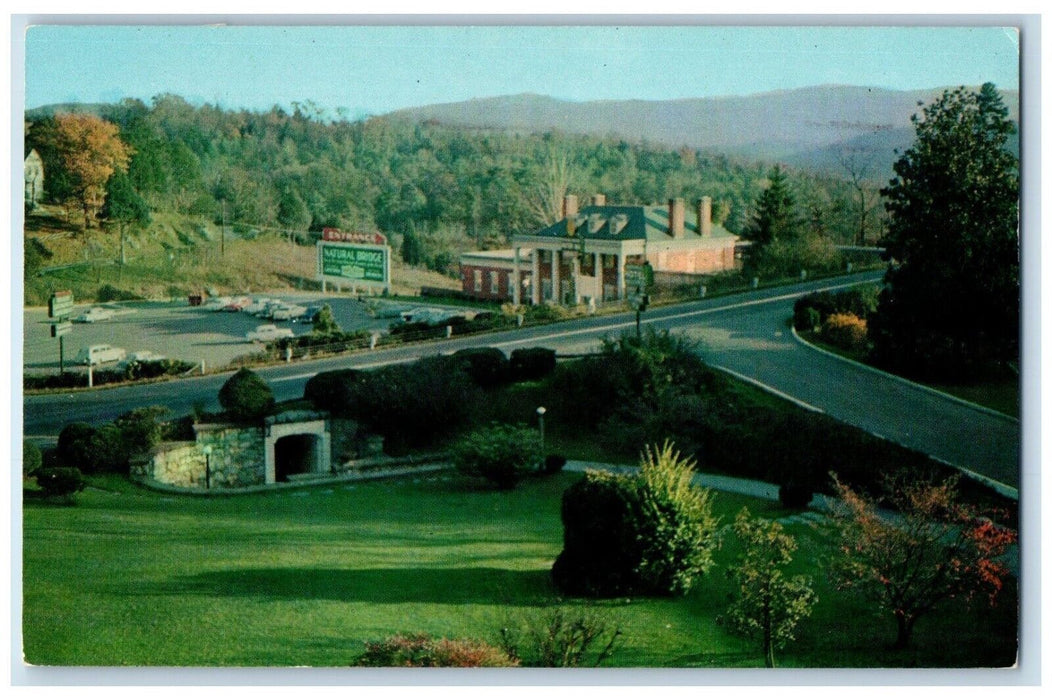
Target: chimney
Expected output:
[676,211]
[598,200]
[569,206]
[705,216]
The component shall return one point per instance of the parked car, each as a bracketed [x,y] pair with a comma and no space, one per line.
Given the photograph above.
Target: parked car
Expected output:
[268,309]
[237,304]
[308,315]
[141,356]
[287,312]
[96,313]
[256,306]
[268,333]
[217,304]
[99,354]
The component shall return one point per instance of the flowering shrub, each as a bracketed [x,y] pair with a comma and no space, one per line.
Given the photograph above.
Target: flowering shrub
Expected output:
[846,331]
[423,651]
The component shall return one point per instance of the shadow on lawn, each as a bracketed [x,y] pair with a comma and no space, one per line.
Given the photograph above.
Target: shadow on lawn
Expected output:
[408,585]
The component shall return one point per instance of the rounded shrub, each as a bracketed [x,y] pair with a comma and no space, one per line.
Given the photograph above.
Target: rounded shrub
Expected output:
[487,367]
[531,364]
[846,331]
[246,397]
[501,454]
[330,391]
[649,533]
[601,550]
[60,482]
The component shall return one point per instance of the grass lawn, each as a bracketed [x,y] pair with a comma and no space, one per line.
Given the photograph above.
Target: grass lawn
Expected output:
[133,577]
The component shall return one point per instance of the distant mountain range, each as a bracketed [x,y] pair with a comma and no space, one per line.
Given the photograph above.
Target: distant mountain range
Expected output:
[808,127]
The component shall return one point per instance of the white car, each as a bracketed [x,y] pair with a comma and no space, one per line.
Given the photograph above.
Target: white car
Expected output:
[267,333]
[99,354]
[268,309]
[256,306]
[141,356]
[96,313]
[287,312]
[217,303]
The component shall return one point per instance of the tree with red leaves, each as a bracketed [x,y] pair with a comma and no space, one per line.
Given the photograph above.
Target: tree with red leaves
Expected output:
[929,549]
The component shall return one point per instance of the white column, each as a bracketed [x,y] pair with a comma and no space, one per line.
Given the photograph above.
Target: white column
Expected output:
[575,271]
[598,269]
[535,280]
[516,280]
[557,256]
[621,275]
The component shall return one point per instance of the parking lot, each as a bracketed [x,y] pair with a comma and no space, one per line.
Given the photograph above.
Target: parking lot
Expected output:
[179,331]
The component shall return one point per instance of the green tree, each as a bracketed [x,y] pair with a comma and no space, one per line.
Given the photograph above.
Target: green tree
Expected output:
[951,298]
[325,323]
[246,397]
[767,603]
[776,218]
[124,207]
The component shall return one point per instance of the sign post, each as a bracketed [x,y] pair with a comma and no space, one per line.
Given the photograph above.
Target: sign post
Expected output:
[59,308]
[639,278]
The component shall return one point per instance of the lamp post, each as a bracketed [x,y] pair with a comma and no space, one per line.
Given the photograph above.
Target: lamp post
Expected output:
[541,410]
[208,466]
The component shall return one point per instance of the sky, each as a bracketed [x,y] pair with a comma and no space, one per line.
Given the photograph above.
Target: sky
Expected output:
[360,70]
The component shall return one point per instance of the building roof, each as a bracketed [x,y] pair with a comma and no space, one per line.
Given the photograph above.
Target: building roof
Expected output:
[623,223]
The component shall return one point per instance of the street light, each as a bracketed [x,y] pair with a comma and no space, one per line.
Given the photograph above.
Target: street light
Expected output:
[541,410]
[208,466]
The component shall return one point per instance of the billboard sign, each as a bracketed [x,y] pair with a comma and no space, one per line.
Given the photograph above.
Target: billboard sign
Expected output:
[354,263]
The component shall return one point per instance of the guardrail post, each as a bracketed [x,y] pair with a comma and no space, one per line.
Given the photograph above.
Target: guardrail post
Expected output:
[372,341]
[202,366]
[91,377]
[449,331]
[288,354]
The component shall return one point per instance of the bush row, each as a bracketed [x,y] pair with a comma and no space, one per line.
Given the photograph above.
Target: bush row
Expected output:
[420,404]
[133,371]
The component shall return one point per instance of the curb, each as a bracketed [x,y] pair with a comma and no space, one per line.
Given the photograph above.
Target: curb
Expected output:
[903,380]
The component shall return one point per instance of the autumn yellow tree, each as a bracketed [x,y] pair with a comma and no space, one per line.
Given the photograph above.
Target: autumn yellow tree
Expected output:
[91,151]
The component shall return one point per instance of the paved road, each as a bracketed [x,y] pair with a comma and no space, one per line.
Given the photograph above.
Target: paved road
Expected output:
[744,333]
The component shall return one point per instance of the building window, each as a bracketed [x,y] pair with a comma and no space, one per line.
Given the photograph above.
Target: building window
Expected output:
[494,282]
[478,280]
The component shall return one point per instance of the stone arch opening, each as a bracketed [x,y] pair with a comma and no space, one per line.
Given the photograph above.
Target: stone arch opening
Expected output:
[295,454]
[296,447]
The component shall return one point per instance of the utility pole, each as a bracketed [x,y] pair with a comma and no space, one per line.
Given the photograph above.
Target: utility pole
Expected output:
[222,233]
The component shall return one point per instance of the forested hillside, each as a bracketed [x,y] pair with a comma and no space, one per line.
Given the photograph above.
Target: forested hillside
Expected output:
[292,174]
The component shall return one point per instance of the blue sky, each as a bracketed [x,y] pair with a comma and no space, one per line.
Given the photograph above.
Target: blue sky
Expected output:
[376,69]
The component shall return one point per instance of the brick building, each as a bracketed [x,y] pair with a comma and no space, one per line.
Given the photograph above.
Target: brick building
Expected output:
[582,258]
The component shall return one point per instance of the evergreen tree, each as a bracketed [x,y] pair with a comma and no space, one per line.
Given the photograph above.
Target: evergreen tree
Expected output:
[775,218]
[951,302]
